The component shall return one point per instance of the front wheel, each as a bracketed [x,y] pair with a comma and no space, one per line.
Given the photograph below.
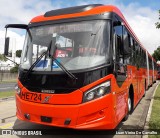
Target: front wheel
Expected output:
[129,104]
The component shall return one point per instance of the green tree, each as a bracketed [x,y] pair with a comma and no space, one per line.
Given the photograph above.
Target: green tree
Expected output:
[18,53]
[2,58]
[158,23]
[156,54]
[14,69]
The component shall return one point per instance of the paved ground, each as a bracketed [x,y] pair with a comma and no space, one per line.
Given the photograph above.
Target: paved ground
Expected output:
[8,120]
[7,86]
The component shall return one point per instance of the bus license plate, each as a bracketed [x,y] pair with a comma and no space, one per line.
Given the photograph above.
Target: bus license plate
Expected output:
[36,97]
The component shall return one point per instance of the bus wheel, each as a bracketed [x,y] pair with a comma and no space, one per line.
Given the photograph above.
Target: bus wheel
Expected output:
[144,93]
[152,82]
[144,90]
[129,104]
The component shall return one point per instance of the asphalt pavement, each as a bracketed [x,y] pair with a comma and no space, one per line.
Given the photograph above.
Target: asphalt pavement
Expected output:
[4,87]
[136,120]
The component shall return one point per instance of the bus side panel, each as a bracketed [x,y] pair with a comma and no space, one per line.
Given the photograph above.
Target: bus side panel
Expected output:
[142,83]
[134,82]
[120,95]
[150,77]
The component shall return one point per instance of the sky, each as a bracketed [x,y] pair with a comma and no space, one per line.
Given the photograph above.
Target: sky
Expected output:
[140,14]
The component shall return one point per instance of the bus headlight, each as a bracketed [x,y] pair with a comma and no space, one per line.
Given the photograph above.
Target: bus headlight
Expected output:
[18,90]
[97,91]
[90,95]
[101,91]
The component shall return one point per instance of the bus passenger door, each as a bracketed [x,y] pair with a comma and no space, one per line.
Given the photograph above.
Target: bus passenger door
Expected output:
[120,67]
[120,73]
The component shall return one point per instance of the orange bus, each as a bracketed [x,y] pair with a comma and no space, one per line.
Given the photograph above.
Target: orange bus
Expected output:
[81,67]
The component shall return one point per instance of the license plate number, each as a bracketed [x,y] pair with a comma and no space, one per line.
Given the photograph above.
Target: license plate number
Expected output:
[36,97]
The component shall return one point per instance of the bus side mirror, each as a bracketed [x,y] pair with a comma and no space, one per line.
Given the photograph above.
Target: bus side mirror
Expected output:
[6,46]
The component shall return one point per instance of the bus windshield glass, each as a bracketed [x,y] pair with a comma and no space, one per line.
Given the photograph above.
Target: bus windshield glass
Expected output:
[78,45]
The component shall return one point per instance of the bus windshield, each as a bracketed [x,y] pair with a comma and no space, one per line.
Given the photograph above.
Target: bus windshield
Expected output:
[79,45]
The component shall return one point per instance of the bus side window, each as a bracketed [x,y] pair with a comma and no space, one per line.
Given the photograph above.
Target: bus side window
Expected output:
[119,50]
[137,55]
[132,51]
[144,59]
[118,43]
[126,46]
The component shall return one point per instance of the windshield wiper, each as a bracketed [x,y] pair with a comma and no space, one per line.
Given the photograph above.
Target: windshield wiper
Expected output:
[64,69]
[34,64]
[51,50]
[37,61]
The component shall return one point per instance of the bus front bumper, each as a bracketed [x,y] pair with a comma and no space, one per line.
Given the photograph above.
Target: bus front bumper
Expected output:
[96,114]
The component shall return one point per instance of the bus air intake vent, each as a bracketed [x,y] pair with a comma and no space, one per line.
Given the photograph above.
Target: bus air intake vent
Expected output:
[70,10]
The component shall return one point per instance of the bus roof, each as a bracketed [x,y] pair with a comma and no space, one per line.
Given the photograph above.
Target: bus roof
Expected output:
[82,11]
[78,11]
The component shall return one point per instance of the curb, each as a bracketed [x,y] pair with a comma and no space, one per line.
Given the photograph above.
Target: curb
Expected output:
[7,98]
[146,126]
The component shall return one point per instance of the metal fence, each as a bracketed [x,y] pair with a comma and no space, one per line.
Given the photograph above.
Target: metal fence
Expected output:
[5,75]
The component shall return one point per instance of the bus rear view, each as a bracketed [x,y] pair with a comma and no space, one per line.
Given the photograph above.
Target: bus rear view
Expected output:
[70,73]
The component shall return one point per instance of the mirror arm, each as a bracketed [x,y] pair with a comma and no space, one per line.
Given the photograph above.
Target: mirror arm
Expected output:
[20,26]
[11,60]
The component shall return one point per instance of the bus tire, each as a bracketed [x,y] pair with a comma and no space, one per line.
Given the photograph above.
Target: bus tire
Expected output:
[144,90]
[129,105]
[154,81]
